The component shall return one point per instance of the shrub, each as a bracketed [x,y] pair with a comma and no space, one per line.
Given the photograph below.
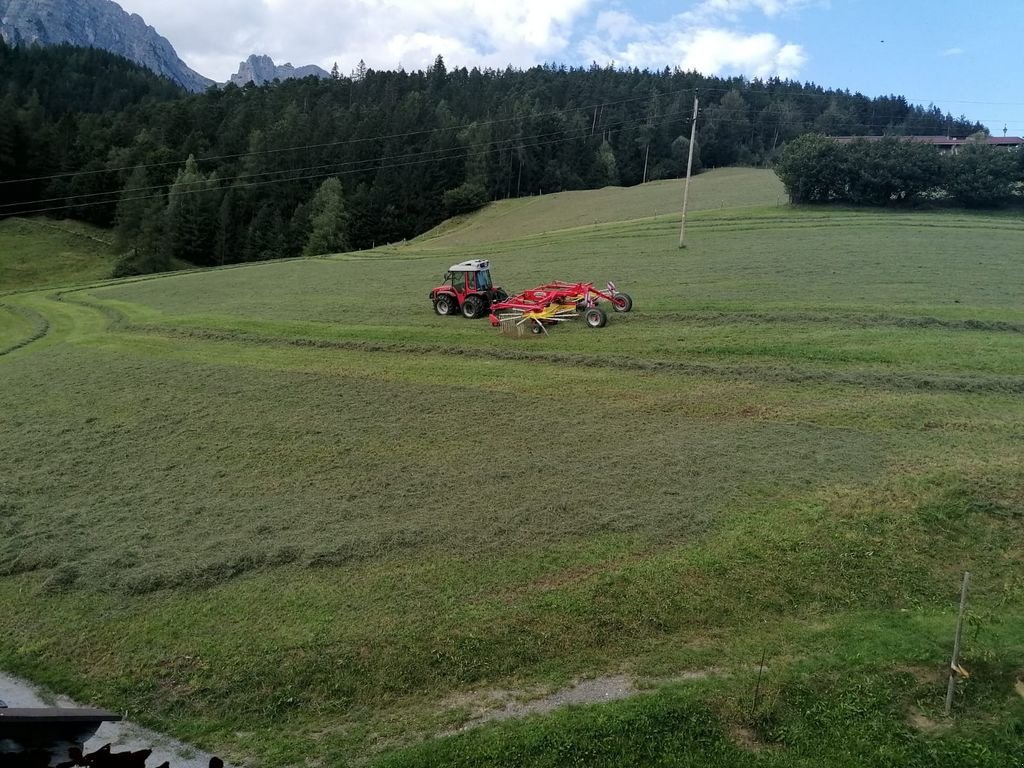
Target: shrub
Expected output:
[465,198]
[813,169]
[981,176]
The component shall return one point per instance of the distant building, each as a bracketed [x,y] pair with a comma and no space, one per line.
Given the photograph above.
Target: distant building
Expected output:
[944,143]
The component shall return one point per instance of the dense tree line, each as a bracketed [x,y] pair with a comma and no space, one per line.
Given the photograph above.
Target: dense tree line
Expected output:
[818,169]
[404,149]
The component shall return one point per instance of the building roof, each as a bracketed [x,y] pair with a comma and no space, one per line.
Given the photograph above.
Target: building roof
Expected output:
[939,141]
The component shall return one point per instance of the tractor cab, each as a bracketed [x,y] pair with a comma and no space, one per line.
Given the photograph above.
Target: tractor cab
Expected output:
[464,281]
[467,288]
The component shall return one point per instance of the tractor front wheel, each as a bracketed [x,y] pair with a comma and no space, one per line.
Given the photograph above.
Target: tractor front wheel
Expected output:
[473,307]
[445,305]
[595,317]
[622,302]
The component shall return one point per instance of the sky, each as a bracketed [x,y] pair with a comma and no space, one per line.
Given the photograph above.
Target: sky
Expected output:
[964,58]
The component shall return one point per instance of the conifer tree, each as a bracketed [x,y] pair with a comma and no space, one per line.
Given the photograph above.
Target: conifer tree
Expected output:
[136,211]
[328,231]
[191,216]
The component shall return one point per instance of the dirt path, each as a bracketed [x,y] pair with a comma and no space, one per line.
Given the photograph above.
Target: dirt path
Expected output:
[496,705]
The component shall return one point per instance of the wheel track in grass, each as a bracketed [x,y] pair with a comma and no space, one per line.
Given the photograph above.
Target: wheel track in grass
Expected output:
[56,317]
[842,319]
[937,382]
[709,221]
[38,321]
[120,321]
[98,317]
[78,313]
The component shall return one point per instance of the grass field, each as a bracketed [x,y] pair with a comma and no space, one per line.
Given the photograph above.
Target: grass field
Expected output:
[39,252]
[726,189]
[288,513]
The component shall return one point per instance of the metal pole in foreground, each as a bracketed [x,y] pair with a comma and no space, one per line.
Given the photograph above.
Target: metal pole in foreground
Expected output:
[689,171]
[954,665]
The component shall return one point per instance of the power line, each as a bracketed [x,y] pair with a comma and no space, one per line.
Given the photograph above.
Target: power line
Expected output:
[338,164]
[370,163]
[803,119]
[344,142]
[761,87]
[383,166]
[67,200]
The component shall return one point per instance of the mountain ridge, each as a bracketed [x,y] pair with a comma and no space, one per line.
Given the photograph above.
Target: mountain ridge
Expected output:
[105,25]
[99,24]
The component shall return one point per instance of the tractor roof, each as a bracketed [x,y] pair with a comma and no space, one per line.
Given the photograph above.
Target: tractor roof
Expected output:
[473,265]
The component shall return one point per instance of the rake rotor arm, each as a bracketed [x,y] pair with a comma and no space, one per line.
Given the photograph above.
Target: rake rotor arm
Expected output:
[551,303]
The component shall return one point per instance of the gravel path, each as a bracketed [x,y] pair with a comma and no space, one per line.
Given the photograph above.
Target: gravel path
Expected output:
[594,691]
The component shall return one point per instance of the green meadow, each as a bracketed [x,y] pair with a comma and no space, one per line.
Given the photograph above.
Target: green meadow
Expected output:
[39,252]
[287,513]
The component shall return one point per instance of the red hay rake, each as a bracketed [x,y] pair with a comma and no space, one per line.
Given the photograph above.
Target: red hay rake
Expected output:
[554,303]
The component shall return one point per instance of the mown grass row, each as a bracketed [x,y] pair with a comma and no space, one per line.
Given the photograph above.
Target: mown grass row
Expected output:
[19,327]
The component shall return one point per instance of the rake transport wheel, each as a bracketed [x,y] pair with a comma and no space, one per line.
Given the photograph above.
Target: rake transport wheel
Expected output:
[473,307]
[445,305]
[595,318]
[627,302]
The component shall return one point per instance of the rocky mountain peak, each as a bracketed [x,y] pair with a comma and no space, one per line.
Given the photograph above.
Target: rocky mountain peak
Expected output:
[260,70]
[95,24]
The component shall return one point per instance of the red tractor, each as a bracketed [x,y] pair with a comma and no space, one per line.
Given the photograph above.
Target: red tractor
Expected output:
[468,289]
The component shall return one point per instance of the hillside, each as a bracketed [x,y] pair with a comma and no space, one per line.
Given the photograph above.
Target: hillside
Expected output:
[510,219]
[40,252]
[302,519]
[409,149]
[49,82]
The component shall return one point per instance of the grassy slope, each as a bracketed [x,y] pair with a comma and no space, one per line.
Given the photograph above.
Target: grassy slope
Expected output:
[291,546]
[38,252]
[729,188]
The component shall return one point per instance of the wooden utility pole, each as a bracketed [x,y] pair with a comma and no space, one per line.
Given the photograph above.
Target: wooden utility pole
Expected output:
[647,156]
[954,665]
[689,172]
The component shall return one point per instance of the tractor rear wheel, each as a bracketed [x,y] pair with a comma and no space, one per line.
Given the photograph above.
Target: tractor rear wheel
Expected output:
[473,307]
[445,305]
[627,302]
[595,317]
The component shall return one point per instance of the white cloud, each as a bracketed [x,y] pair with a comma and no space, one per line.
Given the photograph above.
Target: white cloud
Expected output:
[213,37]
[709,10]
[676,43]
[954,52]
